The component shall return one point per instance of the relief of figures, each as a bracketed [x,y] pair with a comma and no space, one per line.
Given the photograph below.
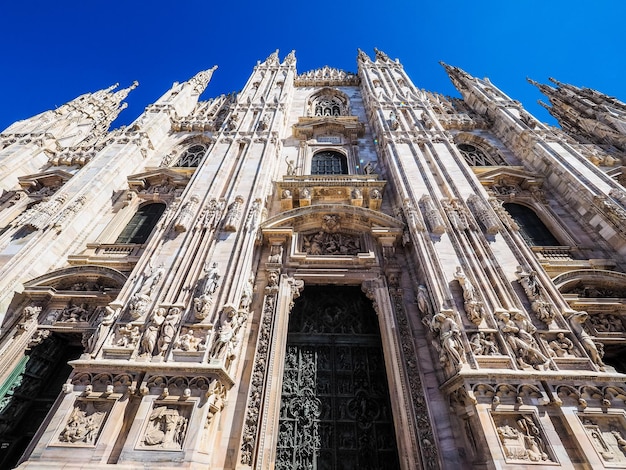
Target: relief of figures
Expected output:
[484,344]
[85,422]
[606,323]
[75,313]
[166,429]
[519,337]
[324,243]
[189,342]
[523,439]
[607,435]
[560,346]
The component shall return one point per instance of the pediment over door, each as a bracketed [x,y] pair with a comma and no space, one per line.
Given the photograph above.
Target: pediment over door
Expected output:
[329,232]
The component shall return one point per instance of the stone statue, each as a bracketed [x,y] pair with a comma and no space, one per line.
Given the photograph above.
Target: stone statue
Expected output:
[576,321]
[149,340]
[291,167]
[212,276]
[449,338]
[529,282]
[151,281]
[521,342]
[168,330]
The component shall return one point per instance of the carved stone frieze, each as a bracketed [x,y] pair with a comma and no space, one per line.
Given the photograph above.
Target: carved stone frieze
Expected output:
[484,344]
[429,453]
[85,422]
[522,438]
[608,436]
[166,427]
[326,76]
[324,243]
[255,396]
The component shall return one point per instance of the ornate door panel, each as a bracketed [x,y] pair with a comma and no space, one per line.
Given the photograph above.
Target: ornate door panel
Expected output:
[335,411]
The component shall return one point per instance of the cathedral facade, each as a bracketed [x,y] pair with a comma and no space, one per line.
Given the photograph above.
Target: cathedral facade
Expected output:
[326,270]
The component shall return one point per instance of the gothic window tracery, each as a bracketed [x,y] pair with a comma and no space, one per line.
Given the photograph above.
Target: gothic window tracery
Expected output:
[531,228]
[141,225]
[328,104]
[475,156]
[329,162]
[192,156]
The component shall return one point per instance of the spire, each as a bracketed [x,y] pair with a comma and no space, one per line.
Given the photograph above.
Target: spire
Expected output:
[460,79]
[120,95]
[545,89]
[291,58]
[381,56]
[272,59]
[362,56]
[200,80]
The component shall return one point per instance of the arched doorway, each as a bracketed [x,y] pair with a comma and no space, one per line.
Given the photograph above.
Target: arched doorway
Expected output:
[335,407]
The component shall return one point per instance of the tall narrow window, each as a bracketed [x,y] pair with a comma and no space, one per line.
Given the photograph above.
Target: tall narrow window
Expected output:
[140,226]
[531,228]
[329,163]
[335,407]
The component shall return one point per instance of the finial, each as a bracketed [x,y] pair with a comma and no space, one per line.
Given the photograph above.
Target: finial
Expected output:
[200,80]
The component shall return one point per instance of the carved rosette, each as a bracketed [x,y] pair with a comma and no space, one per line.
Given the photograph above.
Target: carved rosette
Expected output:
[429,454]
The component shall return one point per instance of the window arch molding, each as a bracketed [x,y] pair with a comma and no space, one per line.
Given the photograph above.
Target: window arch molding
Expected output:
[477,151]
[189,151]
[328,102]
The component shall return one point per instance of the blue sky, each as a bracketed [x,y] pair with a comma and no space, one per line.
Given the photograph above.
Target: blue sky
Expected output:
[55,51]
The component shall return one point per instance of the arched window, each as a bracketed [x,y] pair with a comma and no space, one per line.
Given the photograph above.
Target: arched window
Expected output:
[328,103]
[531,228]
[477,157]
[140,226]
[329,163]
[192,156]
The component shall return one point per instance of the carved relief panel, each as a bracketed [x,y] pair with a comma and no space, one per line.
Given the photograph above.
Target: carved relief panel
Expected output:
[85,423]
[522,439]
[166,427]
[608,436]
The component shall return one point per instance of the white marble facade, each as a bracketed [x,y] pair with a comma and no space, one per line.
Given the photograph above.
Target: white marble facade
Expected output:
[163,261]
